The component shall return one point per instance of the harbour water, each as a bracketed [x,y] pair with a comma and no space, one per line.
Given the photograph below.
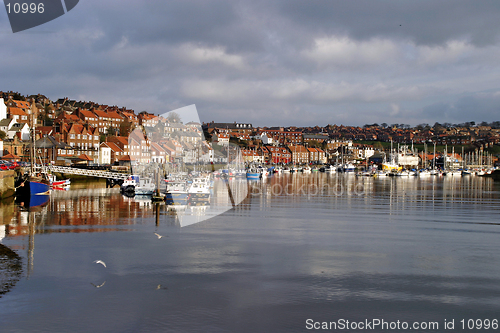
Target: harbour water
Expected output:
[298,251]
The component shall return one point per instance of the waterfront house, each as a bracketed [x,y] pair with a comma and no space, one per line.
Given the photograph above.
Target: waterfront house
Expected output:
[115,152]
[299,154]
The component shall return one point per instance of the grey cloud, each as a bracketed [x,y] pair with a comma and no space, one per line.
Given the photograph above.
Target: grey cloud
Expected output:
[424,22]
[264,58]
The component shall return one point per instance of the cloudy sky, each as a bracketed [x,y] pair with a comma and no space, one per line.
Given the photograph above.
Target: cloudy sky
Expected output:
[288,62]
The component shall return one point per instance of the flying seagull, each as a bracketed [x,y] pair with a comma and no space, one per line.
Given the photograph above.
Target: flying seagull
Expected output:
[100,262]
[99,286]
[158,235]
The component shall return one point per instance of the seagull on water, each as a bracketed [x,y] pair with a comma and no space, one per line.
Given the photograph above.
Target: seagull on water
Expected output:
[158,235]
[100,262]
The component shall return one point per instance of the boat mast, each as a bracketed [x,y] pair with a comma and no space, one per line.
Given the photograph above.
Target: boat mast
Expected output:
[32,150]
[434,158]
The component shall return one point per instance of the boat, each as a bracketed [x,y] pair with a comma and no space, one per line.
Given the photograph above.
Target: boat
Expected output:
[424,173]
[199,189]
[136,185]
[175,191]
[36,180]
[466,172]
[349,167]
[253,173]
[381,173]
[58,183]
[306,169]
[454,173]
[366,173]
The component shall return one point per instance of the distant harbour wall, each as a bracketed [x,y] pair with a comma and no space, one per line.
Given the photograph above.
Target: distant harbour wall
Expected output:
[7,188]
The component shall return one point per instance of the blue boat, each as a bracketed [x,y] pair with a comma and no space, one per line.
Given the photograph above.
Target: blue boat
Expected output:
[34,185]
[253,173]
[39,185]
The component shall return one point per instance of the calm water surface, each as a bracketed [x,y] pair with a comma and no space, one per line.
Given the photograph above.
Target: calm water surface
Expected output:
[298,247]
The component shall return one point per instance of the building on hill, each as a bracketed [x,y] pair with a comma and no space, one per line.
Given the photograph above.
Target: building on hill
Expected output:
[243,128]
[3,109]
[300,155]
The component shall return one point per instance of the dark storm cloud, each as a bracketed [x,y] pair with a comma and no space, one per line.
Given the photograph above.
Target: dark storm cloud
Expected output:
[299,61]
[478,108]
[424,22]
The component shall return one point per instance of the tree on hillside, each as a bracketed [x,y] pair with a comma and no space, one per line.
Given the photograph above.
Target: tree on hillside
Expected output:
[126,127]
[111,131]
[174,117]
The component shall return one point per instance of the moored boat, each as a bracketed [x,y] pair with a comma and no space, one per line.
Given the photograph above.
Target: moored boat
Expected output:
[136,185]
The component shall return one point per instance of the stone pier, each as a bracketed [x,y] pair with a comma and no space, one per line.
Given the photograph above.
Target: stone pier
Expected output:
[7,188]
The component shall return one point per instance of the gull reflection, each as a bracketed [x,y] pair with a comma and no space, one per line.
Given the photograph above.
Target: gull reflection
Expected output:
[98,286]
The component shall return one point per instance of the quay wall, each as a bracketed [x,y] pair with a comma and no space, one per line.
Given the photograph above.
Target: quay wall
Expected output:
[7,188]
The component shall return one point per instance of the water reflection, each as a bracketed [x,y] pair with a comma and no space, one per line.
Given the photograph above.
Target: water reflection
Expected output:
[395,248]
[95,209]
[401,194]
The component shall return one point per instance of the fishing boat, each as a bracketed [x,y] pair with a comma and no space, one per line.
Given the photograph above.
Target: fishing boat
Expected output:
[253,173]
[176,192]
[136,185]
[36,180]
[349,167]
[199,189]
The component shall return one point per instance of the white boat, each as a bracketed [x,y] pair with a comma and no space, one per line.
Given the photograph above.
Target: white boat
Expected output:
[454,173]
[175,191]
[424,173]
[136,185]
[403,173]
[199,189]
[367,173]
[349,167]
[306,169]
[434,172]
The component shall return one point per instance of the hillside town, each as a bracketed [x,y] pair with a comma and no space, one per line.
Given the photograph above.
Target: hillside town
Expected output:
[68,132]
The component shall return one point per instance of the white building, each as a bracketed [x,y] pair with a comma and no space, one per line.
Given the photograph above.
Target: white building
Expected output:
[267,140]
[104,155]
[21,128]
[3,109]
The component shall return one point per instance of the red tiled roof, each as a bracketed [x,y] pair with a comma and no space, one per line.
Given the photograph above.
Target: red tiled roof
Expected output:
[113,146]
[17,111]
[125,158]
